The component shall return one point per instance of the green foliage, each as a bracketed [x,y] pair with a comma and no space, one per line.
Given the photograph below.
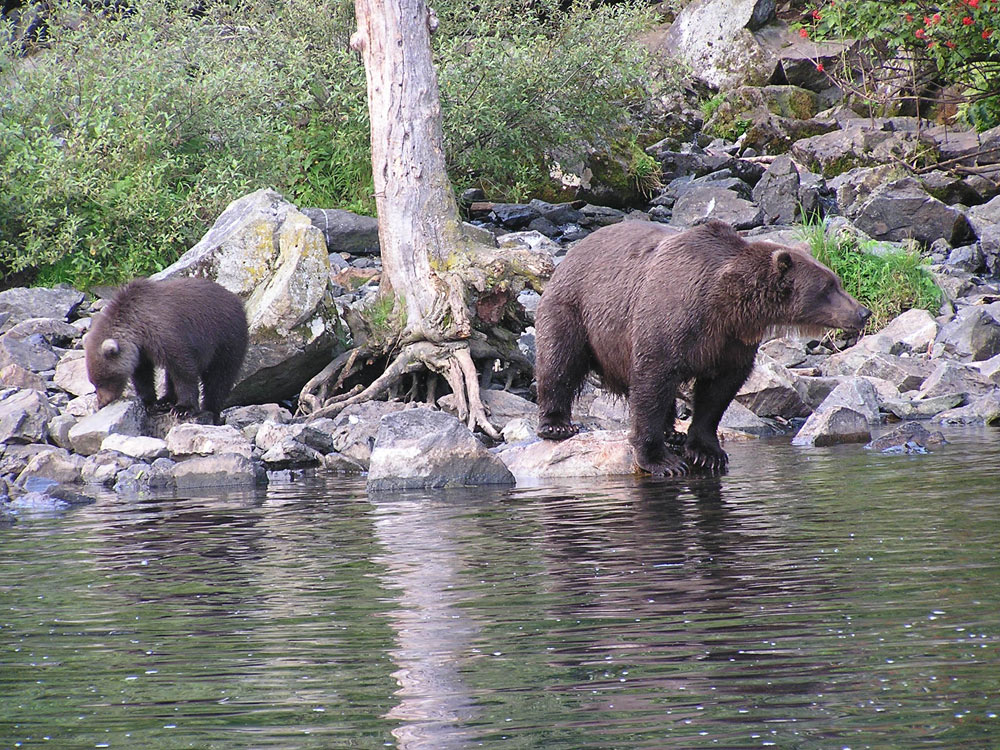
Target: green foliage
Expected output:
[128,133]
[711,105]
[522,87]
[887,283]
[123,135]
[914,42]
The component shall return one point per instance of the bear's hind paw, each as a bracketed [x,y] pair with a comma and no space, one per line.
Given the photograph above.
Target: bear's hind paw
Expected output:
[557,431]
[712,461]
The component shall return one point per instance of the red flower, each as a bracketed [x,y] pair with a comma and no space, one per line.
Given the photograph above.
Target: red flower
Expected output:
[816,14]
[820,68]
[930,45]
[803,33]
[967,21]
[949,44]
[909,17]
[920,33]
[972,3]
[988,33]
[936,18]
[927,21]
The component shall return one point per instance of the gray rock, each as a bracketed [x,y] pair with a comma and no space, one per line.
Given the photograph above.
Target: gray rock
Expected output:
[857,394]
[341,464]
[953,377]
[985,217]
[344,231]
[839,151]
[119,417]
[833,425]
[52,500]
[513,215]
[288,452]
[54,332]
[519,430]
[921,408]
[56,465]
[138,447]
[972,334]
[984,410]
[15,376]
[715,203]
[968,258]
[502,406]
[797,57]
[738,417]
[600,216]
[71,374]
[715,40]
[770,391]
[206,440]
[777,193]
[853,187]
[59,427]
[220,470]
[906,373]
[104,467]
[270,254]
[903,210]
[142,477]
[24,416]
[815,388]
[32,353]
[354,429]
[588,454]
[423,448]
[23,304]
[911,437]
[787,351]
[913,331]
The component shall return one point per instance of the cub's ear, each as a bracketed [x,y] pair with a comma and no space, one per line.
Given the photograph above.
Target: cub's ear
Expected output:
[781,260]
[109,348]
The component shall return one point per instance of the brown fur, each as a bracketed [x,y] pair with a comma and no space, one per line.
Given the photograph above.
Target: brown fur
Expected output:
[193,328]
[648,309]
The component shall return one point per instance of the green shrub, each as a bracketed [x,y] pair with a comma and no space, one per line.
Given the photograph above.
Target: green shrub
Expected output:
[887,283]
[123,135]
[520,88]
[914,45]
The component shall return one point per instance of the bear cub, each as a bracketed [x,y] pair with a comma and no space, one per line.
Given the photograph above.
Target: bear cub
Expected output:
[193,328]
[647,309]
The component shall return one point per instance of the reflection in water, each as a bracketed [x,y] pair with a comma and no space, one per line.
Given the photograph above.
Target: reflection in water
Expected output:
[422,559]
[810,599]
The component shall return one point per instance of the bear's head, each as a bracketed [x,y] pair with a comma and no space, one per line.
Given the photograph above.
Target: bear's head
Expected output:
[110,364]
[812,296]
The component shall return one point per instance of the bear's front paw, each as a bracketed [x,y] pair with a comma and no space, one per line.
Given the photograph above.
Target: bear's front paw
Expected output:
[705,456]
[557,431]
[660,462]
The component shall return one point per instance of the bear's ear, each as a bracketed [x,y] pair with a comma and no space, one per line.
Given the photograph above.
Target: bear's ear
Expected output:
[781,261]
[109,348]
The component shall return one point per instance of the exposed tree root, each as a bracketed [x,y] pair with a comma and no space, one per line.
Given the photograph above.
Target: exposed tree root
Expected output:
[451,360]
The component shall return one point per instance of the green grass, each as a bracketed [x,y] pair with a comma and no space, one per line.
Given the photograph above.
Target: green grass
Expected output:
[888,284]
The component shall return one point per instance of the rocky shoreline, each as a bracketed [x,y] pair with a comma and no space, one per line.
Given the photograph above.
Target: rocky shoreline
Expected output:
[889,183]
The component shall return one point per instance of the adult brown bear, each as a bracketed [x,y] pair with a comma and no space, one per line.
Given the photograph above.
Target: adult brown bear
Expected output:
[193,328]
[648,308]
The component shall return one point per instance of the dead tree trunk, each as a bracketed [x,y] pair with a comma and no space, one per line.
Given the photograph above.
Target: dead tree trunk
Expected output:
[430,267]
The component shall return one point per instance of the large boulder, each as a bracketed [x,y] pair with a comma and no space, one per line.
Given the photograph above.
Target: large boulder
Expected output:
[841,150]
[24,416]
[424,448]
[21,304]
[270,254]
[715,38]
[588,454]
[344,231]
[719,203]
[903,209]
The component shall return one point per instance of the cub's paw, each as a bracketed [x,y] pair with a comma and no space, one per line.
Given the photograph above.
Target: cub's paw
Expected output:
[704,456]
[557,431]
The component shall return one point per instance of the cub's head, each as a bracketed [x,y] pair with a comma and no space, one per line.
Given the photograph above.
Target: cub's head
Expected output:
[110,363]
[812,295]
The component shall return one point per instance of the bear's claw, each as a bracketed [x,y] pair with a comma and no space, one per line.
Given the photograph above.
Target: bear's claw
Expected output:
[557,431]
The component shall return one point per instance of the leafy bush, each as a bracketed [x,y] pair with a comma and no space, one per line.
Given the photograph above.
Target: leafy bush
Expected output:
[125,133]
[521,87]
[128,132]
[918,45]
[887,283]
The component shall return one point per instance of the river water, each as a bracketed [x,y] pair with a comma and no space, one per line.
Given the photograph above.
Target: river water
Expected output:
[823,598]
